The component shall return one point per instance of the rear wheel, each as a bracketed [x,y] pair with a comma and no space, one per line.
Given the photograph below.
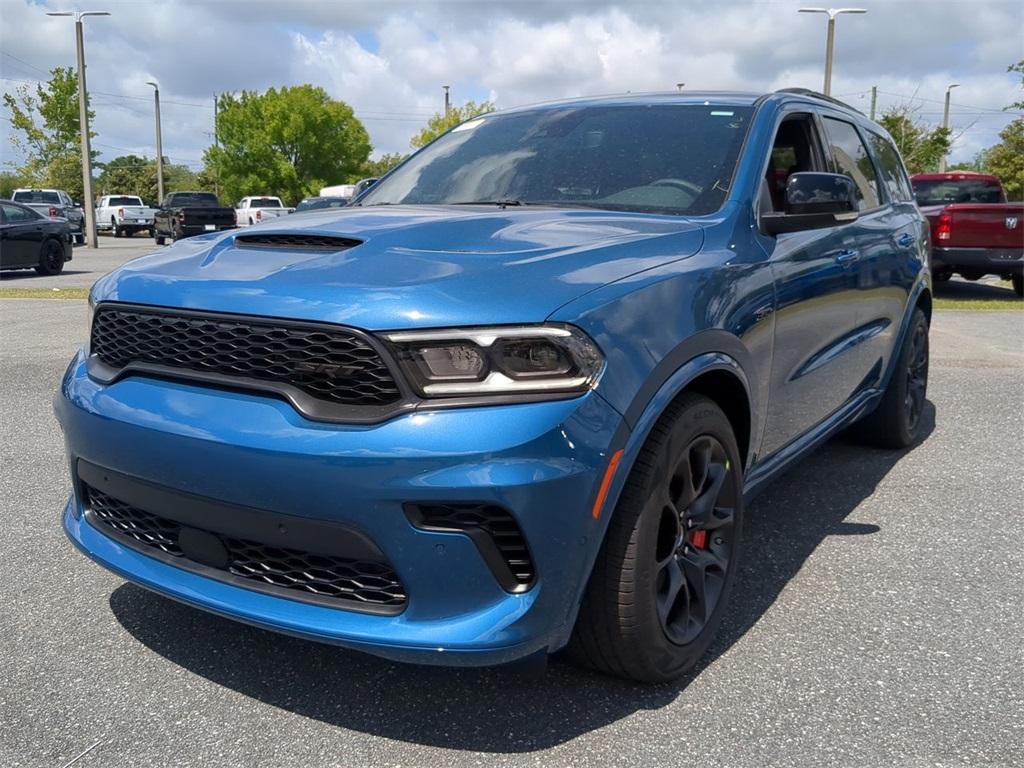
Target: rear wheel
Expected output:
[51,258]
[896,423]
[669,559]
[160,239]
[1018,285]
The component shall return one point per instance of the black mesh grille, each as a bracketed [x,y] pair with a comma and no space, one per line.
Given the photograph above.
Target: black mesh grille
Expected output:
[358,581]
[305,242]
[329,364]
[489,519]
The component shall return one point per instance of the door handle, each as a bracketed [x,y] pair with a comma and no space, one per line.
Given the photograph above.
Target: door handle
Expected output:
[905,240]
[847,257]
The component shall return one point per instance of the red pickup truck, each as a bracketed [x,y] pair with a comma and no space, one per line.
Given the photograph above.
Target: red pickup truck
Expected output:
[975,232]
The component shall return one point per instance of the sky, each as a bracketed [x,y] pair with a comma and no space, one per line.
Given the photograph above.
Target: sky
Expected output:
[389,59]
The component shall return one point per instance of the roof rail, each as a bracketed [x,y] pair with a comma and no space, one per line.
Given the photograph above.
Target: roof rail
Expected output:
[817,95]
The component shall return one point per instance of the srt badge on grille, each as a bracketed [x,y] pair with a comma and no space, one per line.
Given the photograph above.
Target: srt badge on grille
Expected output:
[330,370]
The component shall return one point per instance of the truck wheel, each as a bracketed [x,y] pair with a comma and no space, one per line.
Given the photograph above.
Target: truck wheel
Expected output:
[669,559]
[176,234]
[51,258]
[896,423]
[1018,285]
[80,239]
[160,240]
[251,222]
[152,232]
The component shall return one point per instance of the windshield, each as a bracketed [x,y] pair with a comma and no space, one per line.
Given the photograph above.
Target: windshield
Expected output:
[322,202]
[946,191]
[265,202]
[193,200]
[125,201]
[36,197]
[675,159]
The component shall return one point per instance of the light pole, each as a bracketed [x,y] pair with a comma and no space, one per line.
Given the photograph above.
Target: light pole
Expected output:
[945,123]
[159,146]
[447,99]
[680,86]
[830,38]
[83,121]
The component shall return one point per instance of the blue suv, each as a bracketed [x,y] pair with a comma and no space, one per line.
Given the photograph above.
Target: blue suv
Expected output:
[514,398]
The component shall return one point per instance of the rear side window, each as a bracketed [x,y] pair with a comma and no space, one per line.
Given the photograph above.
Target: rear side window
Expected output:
[852,159]
[894,175]
[16,215]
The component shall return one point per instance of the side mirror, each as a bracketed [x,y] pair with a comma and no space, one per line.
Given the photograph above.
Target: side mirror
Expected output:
[814,201]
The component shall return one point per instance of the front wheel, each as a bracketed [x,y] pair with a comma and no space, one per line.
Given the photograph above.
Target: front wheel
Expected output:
[896,423]
[663,577]
[51,258]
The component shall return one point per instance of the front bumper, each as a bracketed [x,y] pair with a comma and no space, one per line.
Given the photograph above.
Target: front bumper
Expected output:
[540,461]
[997,261]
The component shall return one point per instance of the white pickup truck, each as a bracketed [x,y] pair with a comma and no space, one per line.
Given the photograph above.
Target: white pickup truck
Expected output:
[124,215]
[253,210]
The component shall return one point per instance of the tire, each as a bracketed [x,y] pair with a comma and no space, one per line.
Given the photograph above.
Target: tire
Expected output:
[51,258]
[628,625]
[79,239]
[896,423]
[942,277]
[113,226]
[251,222]
[151,231]
[160,239]
[1018,285]
[176,234]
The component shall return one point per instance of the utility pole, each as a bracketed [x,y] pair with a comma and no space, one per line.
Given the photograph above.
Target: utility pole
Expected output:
[874,100]
[447,100]
[216,143]
[159,147]
[945,123]
[680,86]
[830,38]
[83,123]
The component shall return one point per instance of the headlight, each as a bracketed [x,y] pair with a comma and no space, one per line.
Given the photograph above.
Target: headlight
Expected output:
[498,361]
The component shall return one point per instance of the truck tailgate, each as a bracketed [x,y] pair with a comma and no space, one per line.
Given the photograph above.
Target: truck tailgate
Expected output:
[986,225]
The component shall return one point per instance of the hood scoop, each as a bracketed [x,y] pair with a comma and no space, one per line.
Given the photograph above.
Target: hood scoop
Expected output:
[296,241]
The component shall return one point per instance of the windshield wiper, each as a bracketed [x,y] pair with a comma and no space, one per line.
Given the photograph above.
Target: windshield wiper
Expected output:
[503,203]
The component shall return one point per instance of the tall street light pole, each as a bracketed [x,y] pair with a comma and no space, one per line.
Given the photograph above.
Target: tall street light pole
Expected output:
[159,146]
[83,121]
[830,39]
[945,123]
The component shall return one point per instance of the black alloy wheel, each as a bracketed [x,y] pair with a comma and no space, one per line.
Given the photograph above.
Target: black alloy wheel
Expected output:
[670,556]
[695,539]
[917,376]
[51,258]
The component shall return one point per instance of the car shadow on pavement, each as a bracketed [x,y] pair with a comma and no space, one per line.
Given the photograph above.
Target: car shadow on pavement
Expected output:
[508,710]
[967,290]
[27,274]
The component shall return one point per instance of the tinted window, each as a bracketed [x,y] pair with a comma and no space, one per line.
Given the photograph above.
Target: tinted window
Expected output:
[193,200]
[894,176]
[15,214]
[35,196]
[946,191]
[852,159]
[125,201]
[265,202]
[316,203]
[662,159]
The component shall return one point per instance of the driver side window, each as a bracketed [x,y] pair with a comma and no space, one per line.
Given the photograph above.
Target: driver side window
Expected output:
[794,150]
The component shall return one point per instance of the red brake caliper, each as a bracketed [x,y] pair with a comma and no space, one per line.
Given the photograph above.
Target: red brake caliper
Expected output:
[699,539]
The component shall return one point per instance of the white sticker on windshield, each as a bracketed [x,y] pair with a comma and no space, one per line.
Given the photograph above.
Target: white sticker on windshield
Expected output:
[468,126]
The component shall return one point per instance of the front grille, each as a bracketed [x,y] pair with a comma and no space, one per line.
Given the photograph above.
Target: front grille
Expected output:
[329,364]
[300,241]
[493,529]
[366,582]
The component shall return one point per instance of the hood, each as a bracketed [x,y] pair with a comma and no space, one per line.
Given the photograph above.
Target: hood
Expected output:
[413,267]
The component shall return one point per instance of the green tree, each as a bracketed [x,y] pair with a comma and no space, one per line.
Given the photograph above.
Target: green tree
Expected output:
[10,181]
[1006,159]
[381,165]
[288,142]
[46,131]
[128,175]
[440,123]
[1019,69]
[921,147]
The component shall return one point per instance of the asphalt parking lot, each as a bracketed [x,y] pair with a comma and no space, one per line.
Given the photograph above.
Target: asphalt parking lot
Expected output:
[877,621]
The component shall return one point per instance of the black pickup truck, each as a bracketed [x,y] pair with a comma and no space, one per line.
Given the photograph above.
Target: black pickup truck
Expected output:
[183,214]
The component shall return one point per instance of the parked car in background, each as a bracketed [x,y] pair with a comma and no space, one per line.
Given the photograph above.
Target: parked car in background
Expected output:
[30,240]
[512,399]
[339,190]
[54,204]
[124,215]
[183,214]
[975,232]
[320,203]
[253,210]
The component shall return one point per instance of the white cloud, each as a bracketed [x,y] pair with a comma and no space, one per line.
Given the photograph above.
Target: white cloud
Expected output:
[390,60]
